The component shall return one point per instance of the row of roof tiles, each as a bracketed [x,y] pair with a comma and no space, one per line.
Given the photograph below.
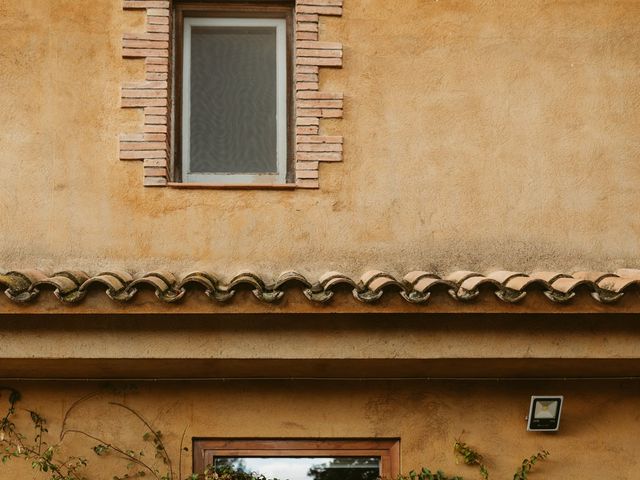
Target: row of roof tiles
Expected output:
[416,287]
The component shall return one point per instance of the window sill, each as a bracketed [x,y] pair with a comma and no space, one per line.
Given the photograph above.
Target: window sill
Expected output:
[246,186]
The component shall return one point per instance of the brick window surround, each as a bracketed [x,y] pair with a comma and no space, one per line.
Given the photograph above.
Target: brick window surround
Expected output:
[152,144]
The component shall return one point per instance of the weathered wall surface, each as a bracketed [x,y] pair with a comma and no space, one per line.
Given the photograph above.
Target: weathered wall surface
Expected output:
[597,439]
[478,135]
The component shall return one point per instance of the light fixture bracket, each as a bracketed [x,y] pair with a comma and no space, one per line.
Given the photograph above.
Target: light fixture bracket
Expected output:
[544,413]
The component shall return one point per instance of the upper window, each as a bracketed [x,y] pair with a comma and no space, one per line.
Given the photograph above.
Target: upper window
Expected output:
[233,95]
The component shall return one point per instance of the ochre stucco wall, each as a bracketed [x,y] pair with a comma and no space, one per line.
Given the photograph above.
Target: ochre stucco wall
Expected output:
[478,135]
[597,439]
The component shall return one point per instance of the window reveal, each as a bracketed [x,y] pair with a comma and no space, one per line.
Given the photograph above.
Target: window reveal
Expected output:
[234,100]
[300,459]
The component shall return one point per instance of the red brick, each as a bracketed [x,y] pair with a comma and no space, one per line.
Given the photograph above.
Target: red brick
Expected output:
[307,183]
[155,181]
[307,77]
[158,12]
[319,147]
[307,17]
[307,69]
[318,139]
[306,165]
[158,68]
[156,60]
[155,111]
[155,119]
[155,162]
[309,112]
[307,130]
[320,61]
[307,85]
[155,128]
[144,44]
[161,37]
[127,146]
[319,103]
[319,9]
[144,52]
[157,20]
[144,93]
[319,45]
[141,154]
[306,173]
[306,121]
[307,26]
[332,3]
[155,171]
[153,76]
[306,35]
[145,85]
[305,52]
[143,102]
[138,4]
[319,156]
[319,95]
[158,28]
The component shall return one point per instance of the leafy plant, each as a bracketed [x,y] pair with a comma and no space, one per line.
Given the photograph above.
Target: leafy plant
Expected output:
[426,474]
[42,455]
[471,457]
[528,463]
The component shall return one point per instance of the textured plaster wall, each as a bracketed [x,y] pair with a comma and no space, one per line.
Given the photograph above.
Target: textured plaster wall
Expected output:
[478,134]
[597,439]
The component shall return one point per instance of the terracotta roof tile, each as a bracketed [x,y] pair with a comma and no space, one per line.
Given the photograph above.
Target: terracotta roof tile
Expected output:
[69,286]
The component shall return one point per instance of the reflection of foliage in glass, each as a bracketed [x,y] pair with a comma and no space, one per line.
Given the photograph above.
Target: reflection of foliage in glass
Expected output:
[346,469]
[233,464]
[230,472]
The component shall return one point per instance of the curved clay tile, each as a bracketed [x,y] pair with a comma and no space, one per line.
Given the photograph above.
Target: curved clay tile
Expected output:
[291,277]
[629,273]
[117,284]
[332,279]
[593,276]
[66,285]
[210,284]
[618,284]
[163,283]
[460,276]
[71,286]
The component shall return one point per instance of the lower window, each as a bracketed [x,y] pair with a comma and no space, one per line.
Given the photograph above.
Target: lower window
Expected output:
[301,459]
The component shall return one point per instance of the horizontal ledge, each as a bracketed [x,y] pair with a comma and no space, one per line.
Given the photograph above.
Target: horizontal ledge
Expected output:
[236,368]
[242,186]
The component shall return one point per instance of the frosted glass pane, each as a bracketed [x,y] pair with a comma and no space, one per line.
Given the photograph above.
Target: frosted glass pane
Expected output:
[233,100]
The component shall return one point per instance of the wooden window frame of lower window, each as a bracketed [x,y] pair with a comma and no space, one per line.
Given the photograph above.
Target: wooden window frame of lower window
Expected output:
[206,449]
[282,9]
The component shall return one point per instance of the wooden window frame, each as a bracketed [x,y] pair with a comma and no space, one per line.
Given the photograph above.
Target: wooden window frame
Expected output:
[205,450]
[232,9]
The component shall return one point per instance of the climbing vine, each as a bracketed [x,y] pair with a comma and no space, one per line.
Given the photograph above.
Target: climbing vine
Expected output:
[47,457]
[469,456]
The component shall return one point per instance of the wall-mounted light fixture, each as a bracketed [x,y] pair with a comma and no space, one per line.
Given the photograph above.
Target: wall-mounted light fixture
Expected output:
[544,413]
